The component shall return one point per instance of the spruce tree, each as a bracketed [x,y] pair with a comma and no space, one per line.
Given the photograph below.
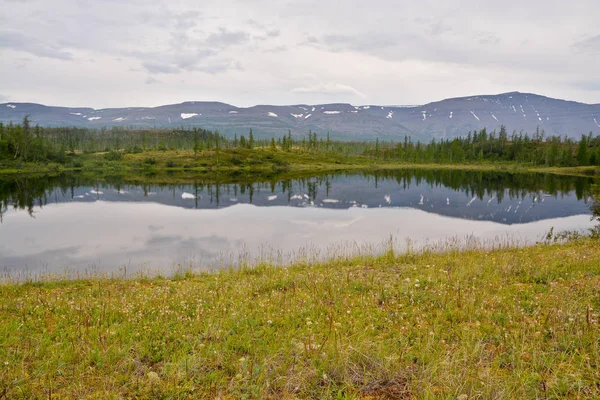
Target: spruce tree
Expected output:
[582,153]
[251,140]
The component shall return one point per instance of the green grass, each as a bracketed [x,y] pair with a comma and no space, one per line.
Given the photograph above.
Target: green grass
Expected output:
[503,324]
[256,161]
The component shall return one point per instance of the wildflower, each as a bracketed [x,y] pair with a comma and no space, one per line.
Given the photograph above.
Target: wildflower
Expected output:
[269,322]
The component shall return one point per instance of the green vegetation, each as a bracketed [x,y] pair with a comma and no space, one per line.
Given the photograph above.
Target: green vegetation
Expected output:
[505,323]
[34,149]
[509,323]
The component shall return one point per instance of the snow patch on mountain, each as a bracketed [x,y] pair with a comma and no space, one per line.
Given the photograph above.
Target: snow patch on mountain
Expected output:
[189,115]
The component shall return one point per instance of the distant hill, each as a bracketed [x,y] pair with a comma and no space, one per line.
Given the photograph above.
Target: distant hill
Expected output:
[442,119]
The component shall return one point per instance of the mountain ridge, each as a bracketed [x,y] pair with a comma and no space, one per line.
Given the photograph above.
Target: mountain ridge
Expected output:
[441,119]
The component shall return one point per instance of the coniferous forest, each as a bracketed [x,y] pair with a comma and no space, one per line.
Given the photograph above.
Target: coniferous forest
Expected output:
[26,143]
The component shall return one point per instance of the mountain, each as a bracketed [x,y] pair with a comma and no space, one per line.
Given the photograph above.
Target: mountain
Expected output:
[442,119]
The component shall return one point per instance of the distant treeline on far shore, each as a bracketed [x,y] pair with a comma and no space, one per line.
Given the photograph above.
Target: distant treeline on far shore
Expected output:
[26,143]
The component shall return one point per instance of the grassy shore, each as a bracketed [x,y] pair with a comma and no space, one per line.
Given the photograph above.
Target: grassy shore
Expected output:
[256,161]
[512,323]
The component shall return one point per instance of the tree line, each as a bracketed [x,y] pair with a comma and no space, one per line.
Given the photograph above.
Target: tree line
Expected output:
[26,143]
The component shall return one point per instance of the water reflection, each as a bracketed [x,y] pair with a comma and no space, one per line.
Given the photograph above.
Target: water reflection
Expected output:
[70,222]
[500,197]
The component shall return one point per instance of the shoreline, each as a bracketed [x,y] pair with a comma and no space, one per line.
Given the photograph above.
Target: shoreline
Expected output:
[260,162]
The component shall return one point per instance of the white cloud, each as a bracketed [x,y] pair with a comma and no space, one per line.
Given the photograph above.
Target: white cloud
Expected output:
[292,51]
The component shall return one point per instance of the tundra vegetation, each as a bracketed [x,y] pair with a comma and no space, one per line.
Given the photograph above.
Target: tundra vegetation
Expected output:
[25,148]
[452,324]
[504,323]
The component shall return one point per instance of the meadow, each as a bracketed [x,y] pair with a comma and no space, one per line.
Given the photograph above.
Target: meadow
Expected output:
[504,323]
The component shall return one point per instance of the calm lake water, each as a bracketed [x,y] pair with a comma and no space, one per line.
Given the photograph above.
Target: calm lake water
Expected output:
[77,225]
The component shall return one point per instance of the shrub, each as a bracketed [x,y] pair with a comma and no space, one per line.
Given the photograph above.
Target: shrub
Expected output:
[113,156]
[171,164]
[236,161]
[150,161]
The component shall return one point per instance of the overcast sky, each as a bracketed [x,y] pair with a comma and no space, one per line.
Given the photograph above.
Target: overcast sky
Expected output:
[113,53]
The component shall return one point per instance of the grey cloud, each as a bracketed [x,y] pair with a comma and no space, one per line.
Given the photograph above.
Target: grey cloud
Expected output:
[192,62]
[277,49]
[255,24]
[413,52]
[187,20]
[487,39]
[225,38]
[19,42]
[186,53]
[189,61]
[361,43]
[433,26]
[470,50]
[220,66]
[438,28]
[272,34]
[150,81]
[588,45]
[159,68]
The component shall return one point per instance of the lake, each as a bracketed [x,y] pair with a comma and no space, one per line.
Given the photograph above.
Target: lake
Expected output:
[75,225]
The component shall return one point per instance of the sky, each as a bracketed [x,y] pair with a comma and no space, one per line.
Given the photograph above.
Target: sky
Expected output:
[119,53]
